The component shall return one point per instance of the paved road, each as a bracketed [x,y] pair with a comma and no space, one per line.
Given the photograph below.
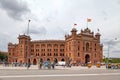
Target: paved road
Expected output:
[83,74]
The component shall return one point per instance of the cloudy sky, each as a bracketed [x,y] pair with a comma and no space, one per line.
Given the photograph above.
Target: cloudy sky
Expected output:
[52,19]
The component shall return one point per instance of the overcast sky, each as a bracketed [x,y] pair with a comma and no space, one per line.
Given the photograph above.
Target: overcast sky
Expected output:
[52,19]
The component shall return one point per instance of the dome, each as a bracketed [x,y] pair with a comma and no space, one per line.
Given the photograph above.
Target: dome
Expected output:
[98,34]
[74,29]
[87,30]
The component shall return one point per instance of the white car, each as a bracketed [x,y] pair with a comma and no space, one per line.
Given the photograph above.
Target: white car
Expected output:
[61,63]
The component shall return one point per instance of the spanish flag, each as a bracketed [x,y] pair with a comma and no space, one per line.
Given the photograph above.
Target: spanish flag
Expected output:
[88,20]
[75,24]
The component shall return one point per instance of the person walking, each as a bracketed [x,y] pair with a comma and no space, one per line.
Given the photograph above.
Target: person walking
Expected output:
[28,65]
[40,64]
[53,65]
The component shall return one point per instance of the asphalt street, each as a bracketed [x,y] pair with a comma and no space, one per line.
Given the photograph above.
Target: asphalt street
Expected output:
[57,74]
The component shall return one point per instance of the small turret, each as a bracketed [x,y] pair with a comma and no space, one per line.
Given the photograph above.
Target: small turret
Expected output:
[24,38]
[24,45]
[97,35]
[73,32]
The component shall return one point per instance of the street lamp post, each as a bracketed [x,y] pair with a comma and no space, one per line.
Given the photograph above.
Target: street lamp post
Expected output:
[27,47]
[109,52]
[28,27]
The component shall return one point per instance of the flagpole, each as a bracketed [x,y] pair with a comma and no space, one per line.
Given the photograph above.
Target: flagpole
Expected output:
[88,20]
[87,24]
[28,46]
[75,25]
[98,30]
[28,27]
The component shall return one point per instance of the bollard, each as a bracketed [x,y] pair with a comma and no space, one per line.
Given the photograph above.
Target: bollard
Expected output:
[98,65]
[89,65]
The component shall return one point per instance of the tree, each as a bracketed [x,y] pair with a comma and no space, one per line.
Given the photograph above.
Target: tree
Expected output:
[3,57]
[112,60]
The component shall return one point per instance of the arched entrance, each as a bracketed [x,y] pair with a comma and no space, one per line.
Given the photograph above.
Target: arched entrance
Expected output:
[41,60]
[87,58]
[28,60]
[55,60]
[48,59]
[62,59]
[34,62]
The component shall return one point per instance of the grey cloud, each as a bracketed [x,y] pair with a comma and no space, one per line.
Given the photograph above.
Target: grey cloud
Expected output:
[111,42]
[4,41]
[38,31]
[118,2]
[52,16]
[14,9]
[62,31]
[49,19]
[105,15]
[116,51]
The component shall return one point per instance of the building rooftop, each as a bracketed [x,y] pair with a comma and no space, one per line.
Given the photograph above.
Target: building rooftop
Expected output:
[48,41]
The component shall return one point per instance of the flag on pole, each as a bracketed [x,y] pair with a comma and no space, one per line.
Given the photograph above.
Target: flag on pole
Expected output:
[75,24]
[88,20]
[29,20]
[98,30]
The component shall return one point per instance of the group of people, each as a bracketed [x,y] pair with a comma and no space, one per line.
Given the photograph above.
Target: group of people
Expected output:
[46,64]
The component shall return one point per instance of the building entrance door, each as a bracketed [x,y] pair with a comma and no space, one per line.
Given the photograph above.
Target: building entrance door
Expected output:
[34,62]
[62,59]
[55,60]
[87,58]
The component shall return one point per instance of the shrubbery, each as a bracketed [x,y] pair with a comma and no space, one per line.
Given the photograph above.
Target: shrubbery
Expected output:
[112,60]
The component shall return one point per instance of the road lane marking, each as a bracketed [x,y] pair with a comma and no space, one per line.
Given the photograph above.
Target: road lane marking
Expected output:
[59,75]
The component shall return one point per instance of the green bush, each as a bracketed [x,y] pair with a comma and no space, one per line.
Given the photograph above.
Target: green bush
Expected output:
[3,57]
[112,60]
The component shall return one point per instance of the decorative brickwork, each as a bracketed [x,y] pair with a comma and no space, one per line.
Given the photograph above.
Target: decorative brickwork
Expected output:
[78,48]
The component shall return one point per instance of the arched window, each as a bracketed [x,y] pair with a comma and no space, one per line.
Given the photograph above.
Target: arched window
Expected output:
[48,54]
[95,55]
[55,45]
[61,45]
[78,47]
[78,54]
[87,46]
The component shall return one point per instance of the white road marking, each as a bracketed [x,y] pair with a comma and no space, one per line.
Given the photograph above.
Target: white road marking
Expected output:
[58,75]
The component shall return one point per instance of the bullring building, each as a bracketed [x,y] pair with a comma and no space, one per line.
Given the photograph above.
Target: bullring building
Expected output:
[78,47]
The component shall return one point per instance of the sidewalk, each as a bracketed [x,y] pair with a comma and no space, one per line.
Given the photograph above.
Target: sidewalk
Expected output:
[18,67]
[79,67]
[56,67]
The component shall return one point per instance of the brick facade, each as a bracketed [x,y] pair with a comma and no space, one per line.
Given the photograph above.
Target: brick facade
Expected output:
[78,48]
